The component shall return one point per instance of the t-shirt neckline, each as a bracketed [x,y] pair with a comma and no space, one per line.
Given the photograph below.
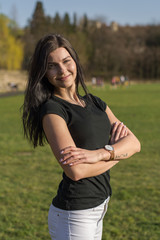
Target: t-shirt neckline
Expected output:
[63,100]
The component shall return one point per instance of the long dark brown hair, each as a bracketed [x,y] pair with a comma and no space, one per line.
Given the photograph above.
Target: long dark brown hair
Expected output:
[39,89]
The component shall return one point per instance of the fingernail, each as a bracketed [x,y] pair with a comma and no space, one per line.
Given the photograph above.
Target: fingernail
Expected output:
[61,160]
[70,164]
[64,162]
[62,151]
[121,123]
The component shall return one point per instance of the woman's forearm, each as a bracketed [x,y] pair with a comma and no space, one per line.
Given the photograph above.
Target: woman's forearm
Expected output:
[90,163]
[126,147]
[86,170]
[122,139]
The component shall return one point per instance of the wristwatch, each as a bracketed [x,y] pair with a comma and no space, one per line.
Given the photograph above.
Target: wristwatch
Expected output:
[110,149]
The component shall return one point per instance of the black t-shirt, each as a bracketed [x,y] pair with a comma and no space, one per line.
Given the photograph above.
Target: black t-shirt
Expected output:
[90,129]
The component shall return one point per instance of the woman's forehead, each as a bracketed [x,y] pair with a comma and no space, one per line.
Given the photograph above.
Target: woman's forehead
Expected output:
[58,54]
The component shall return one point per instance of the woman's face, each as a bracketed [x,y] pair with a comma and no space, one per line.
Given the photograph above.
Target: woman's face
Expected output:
[61,69]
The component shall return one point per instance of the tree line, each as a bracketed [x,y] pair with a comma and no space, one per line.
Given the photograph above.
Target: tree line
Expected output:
[104,51]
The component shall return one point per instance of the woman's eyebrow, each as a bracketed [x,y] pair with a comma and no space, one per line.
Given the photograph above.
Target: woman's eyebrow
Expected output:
[66,57]
[62,60]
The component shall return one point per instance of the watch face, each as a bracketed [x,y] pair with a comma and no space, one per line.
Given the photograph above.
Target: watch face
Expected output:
[108,147]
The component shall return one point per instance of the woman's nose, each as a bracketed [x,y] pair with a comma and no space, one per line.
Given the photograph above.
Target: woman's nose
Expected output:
[61,69]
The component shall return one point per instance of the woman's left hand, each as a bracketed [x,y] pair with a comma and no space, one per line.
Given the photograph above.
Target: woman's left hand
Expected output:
[119,131]
[73,156]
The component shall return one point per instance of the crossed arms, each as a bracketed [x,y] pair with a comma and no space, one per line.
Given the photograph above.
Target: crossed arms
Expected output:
[79,163]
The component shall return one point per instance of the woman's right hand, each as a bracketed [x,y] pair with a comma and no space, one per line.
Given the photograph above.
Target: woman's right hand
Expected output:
[119,131]
[72,156]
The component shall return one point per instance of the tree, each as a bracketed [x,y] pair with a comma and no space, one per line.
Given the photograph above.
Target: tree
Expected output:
[57,20]
[74,22]
[37,27]
[67,24]
[11,48]
[38,21]
[85,23]
[66,20]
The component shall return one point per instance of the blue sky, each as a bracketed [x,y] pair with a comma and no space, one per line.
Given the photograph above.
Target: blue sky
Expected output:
[124,12]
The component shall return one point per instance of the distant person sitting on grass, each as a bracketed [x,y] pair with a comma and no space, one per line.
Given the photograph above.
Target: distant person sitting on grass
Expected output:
[13,86]
[85,136]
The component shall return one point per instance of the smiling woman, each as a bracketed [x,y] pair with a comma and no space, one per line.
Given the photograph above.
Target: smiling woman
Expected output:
[61,71]
[85,136]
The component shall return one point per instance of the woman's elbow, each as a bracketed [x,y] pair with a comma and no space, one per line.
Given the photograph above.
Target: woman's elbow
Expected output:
[135,143]
[76,178]
[138,146]
[73,173]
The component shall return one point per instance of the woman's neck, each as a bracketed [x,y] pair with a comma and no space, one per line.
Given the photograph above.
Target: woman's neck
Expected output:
[66,93]
[69,95]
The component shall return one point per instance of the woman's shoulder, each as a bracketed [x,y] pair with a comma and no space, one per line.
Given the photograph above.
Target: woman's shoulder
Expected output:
[98,101]
[51,106]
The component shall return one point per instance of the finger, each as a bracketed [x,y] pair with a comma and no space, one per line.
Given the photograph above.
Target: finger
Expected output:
[118,131]
[68,149]
[70,158]
[126,132]
[114,127]
[70,154]
[123,132]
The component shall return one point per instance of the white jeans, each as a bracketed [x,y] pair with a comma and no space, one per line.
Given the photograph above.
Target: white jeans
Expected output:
[78,224]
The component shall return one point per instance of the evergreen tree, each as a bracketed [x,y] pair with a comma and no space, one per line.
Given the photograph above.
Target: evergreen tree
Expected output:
[37,27]
[57,24]
[66,23]
[74,22]
[85,23]
[38,22]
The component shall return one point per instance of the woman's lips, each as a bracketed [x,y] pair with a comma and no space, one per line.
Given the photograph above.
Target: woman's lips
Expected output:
[63,78]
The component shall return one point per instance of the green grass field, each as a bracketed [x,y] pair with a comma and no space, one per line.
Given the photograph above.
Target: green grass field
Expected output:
[29,178]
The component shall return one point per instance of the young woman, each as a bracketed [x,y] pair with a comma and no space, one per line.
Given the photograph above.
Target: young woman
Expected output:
[85,136]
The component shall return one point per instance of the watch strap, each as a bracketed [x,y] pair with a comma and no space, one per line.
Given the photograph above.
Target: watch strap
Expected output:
[112,155]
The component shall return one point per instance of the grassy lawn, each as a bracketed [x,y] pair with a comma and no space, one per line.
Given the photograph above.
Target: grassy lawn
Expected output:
[29,178]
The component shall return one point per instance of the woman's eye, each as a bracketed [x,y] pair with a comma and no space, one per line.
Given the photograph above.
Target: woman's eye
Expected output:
[51,66]
[67,61]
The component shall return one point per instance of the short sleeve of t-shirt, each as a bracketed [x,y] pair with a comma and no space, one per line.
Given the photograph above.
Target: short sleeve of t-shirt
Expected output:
[53,107]
[98,102]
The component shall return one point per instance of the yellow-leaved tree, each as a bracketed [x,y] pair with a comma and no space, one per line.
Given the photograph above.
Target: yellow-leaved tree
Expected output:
[11,48]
